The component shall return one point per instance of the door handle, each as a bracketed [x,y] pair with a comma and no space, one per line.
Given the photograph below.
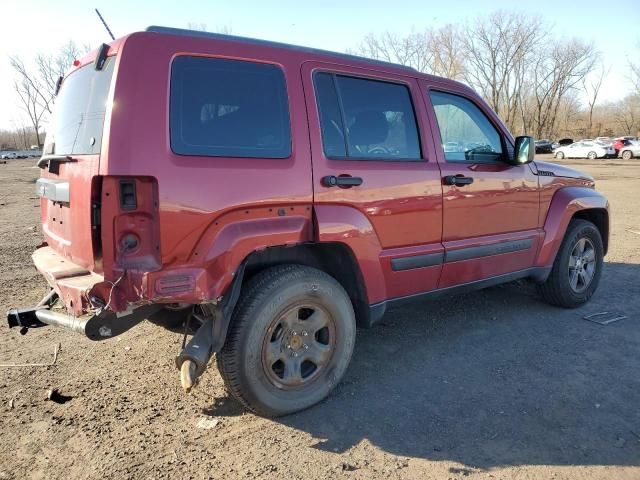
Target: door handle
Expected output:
[346,181]
[457,180]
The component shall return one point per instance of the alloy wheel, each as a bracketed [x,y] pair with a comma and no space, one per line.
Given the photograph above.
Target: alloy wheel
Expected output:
[582,265]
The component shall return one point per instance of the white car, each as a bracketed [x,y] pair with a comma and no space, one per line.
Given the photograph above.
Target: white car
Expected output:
[630,150]
[589,150]
[9,156]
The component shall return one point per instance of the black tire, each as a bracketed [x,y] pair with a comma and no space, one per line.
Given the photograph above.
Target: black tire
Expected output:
[627,155]
[558,289]
[560,155]
[592,155]
[171,316]
[269,314]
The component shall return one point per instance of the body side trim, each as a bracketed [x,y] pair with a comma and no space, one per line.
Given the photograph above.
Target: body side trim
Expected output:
[417,261]
[509,246]
[539,274]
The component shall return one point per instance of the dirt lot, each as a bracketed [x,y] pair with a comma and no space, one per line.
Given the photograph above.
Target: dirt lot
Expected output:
[494,384]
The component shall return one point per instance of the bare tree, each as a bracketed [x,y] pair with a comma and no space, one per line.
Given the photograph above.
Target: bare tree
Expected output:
[627,115]
[634,71]
[559,68]
[30,99]
[411,50]
[591,88]
[36,86]
[202,27]
[446,48]
[498,51]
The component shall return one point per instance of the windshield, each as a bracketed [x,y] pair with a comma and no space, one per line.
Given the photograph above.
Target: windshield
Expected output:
[79,111]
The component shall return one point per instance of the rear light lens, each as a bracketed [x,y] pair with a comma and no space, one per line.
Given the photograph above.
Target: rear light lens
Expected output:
[130,224]
[128,195]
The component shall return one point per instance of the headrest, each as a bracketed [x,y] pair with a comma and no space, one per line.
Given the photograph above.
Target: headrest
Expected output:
[369,128]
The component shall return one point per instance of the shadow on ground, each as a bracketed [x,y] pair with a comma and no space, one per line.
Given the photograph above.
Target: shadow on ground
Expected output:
[493,378]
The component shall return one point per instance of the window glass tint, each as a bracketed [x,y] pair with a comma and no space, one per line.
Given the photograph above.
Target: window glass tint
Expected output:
[330,117]
[366,119]
[79,110]
[467,135]
[228,108]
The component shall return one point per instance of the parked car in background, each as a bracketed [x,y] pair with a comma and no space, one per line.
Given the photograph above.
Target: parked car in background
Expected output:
[630,150]
[619,143]
[9,156]
[589,150]
[565,141]
[544,146]
[605,140]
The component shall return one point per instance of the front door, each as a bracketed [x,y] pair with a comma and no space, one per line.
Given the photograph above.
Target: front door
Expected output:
[490,224]
[376,182]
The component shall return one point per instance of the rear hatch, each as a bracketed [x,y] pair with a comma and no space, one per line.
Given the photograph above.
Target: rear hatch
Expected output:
[69,186]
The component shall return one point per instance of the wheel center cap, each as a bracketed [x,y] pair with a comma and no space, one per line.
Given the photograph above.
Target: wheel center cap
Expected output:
[296,342]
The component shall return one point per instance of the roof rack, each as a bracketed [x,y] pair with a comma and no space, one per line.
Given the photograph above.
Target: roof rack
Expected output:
[254,41]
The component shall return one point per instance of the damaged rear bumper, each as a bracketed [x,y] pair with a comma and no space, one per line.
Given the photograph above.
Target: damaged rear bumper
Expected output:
[100,325]
[75,301]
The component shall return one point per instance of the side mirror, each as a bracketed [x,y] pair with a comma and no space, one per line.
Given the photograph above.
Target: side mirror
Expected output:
[524,151]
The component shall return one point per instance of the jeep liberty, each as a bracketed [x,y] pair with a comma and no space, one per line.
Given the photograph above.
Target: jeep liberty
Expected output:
[269,198]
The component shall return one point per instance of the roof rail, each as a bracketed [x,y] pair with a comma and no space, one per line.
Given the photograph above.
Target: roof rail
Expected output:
[254,41]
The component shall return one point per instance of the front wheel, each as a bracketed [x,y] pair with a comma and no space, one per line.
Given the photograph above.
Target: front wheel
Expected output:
[627,155]
[560,155]
[290,340]
[577,268]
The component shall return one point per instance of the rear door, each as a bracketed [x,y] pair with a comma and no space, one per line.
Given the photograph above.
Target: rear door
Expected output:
[68,185]
[368,137]
[490,224]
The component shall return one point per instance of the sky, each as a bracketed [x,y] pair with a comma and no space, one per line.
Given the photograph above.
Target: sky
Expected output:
[41,26]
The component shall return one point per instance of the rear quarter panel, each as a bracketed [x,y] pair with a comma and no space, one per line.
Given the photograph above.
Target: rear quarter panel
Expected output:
[199,197]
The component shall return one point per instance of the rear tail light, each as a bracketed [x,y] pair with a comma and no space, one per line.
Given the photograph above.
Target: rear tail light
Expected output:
[131,223]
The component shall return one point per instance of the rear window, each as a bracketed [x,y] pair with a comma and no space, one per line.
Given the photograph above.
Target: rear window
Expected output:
[228,108]
[364,119]
[79,111]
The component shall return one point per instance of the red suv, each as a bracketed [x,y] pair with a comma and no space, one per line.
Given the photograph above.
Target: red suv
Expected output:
[274,197]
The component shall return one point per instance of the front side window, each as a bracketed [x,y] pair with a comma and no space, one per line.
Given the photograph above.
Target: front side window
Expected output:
[365,119]
[467,134]
[228,108]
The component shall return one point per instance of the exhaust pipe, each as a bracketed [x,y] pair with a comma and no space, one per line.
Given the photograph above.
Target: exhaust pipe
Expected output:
[77,324]
[101,326]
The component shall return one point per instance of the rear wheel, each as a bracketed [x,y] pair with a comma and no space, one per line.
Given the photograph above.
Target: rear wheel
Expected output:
[290,340]
[627,155]
[577,268]
[560,155]
[592,155]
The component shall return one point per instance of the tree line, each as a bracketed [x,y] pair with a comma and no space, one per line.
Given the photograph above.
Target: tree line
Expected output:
[539,84]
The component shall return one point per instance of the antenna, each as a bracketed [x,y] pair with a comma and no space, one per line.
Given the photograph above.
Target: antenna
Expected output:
[105,24]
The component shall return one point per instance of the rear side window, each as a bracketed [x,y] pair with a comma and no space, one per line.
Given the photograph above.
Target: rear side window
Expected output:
[228,108]
[365,119]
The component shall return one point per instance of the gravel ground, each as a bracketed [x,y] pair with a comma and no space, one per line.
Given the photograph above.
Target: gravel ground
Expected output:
[494,384]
